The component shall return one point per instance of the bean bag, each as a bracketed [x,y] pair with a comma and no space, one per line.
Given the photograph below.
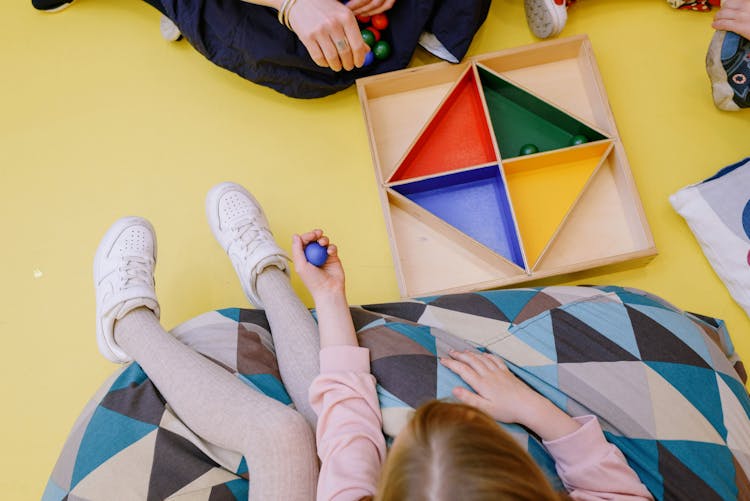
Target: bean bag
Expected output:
[667,387]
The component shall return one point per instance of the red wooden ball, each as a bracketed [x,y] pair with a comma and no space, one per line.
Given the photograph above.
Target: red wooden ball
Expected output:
[379,21]
[374,32]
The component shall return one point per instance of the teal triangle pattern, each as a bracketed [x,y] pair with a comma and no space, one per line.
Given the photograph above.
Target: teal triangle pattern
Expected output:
[107,434]
[543,378]
[511,303]
[242,468]
[418,333]
[698,386]
[230,313]
[132,375]
[240,488]
[538,334]
[611,319]
[710,462]
[739,391]
[680,327]
[643,457]
[53,492]
[446,381]
[545,462]
[632,298]
[270,385]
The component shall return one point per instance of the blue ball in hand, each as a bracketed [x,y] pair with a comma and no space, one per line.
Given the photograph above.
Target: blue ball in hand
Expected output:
[316,254]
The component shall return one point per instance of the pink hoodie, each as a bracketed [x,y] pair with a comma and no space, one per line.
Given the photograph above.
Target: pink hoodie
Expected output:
[352,448]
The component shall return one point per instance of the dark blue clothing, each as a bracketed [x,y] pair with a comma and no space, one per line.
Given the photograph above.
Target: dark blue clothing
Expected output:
[247,39]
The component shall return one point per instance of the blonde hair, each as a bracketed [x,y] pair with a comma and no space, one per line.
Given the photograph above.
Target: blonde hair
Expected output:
[452,451]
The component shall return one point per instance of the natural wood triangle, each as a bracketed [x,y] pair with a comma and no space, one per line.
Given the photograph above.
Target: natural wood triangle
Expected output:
[603,223]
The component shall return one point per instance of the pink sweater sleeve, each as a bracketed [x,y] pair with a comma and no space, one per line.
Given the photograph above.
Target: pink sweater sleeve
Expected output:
[592,468]
[351,445]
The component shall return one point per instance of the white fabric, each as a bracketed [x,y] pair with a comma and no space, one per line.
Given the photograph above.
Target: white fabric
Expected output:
[717,211]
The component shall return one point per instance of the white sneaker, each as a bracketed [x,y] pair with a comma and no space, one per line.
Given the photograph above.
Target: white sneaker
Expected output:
[241,228]
[546,18]
[124,279]
[169,31]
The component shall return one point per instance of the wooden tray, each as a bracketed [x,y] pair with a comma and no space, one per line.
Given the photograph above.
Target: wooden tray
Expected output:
[500,170]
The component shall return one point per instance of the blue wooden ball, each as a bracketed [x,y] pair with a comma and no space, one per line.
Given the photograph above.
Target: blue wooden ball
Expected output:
[369,58]
[316,254]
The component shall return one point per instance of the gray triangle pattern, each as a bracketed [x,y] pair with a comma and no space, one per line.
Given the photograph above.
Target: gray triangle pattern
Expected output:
[615,392]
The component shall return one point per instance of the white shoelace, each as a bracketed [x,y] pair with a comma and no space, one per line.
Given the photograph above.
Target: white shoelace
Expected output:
[136,271]
[248,235]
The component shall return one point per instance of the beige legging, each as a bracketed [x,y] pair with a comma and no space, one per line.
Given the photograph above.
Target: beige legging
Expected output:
[277,442]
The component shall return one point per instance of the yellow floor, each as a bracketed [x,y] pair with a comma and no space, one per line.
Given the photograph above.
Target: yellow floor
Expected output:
[100,118]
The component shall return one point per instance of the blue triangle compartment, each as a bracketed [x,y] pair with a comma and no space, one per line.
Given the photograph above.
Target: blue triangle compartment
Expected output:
[475,202]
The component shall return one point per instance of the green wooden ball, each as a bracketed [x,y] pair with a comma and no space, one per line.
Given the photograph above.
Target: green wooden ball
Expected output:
[369,37]
[381,49]
[578,139]
[528,149]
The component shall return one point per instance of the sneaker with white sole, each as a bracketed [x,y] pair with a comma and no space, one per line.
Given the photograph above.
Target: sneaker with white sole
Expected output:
[728,66]
[546,18]
[241,228]
[123,279]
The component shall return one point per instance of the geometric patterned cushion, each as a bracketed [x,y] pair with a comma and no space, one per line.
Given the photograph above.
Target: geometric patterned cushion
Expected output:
[666,385]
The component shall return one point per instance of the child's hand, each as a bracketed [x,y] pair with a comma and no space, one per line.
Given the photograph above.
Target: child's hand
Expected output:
[498,392]
[369,7]
[734,15]
[505,397]
[330,33]
[322,281]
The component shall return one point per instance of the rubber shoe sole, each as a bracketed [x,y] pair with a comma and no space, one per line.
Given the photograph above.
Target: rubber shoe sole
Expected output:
[545,18]
[728,67]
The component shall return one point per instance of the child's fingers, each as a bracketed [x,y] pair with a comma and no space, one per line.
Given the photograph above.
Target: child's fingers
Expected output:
[472,399]
[311,236]
[473,360]
[298,250]
[464,371]
[376,8]
[496,361]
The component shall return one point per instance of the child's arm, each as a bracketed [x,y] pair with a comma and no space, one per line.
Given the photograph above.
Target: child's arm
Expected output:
[351,445]
[589,466]
[326,284]
[734,15]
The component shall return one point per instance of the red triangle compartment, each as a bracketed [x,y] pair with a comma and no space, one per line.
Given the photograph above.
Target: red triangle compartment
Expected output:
[458,135]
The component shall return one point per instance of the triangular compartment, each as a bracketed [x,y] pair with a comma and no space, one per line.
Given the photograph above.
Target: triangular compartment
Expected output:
[520,118]
[544,188]
[457,136]
[475,203]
